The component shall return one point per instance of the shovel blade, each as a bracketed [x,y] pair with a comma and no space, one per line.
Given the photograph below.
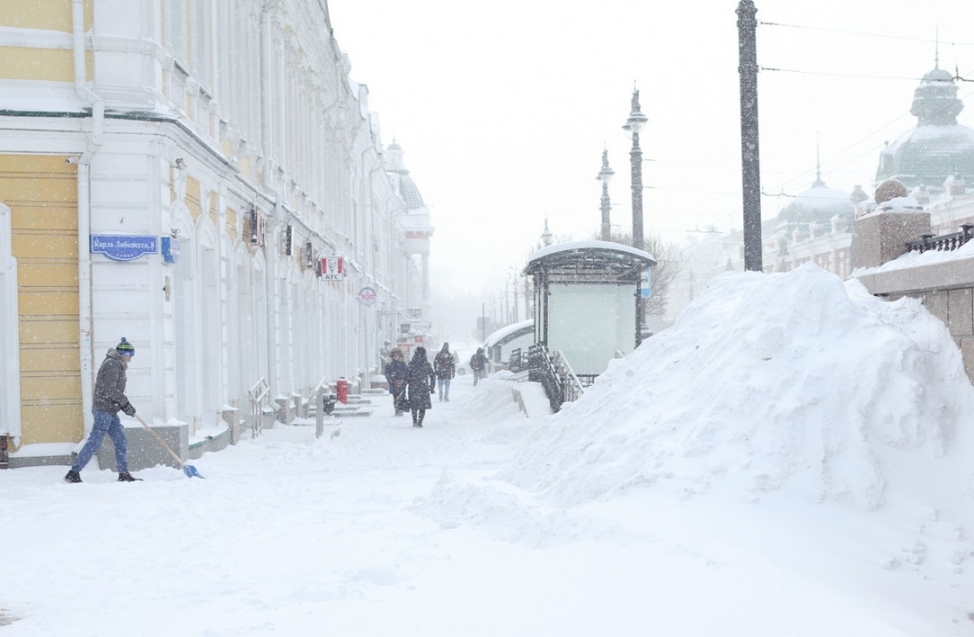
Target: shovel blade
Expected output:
[191,471]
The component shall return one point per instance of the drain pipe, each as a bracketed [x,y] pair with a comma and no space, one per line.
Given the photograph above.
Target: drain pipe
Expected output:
[84,207]
[265,90]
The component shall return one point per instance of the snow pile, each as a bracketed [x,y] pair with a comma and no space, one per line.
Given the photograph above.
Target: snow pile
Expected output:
[789,382]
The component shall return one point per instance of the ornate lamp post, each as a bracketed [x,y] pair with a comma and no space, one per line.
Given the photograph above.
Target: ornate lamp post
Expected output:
[605,176]
[634,125]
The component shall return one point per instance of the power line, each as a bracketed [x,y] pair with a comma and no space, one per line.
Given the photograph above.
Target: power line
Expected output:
[860,33]
[853,75]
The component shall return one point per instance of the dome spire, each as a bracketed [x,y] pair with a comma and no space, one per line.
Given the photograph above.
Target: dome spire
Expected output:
[818,166]
[935,100]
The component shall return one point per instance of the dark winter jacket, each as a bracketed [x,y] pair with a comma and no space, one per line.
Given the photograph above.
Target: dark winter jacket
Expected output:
[420,382]
[478,362]
[110,384]
[395,372]
[444,365]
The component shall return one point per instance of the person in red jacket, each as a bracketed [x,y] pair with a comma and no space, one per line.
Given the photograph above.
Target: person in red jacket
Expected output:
[109,399]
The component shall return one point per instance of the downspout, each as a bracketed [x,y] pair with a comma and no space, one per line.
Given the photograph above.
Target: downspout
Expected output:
[10,426]
[272,253]
[265,92]
[266,142]
[84,207]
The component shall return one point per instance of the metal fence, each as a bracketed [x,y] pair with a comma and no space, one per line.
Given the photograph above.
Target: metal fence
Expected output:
[943,243]
[555,374]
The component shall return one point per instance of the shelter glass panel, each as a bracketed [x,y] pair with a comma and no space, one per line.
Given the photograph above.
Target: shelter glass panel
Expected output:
[589,323]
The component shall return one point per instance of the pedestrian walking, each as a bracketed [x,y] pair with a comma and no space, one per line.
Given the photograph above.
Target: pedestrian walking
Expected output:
[395,372]
[445,367]
[109,399]
[478,365]
[420,385]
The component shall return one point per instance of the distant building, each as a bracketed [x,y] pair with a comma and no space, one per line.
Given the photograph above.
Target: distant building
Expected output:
[934,160]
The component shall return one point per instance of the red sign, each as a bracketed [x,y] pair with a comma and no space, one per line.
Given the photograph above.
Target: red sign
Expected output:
[332,268]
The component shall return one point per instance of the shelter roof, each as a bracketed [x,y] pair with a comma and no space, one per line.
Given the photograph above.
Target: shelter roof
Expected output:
[500,336]
[591,259]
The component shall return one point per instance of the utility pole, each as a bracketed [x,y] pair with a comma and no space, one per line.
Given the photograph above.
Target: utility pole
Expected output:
[750,165]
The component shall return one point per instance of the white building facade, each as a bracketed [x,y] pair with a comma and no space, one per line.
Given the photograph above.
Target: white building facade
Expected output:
[203,178]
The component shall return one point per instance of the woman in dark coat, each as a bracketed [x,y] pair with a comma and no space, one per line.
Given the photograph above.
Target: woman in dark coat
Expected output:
[395,373]
[420,383]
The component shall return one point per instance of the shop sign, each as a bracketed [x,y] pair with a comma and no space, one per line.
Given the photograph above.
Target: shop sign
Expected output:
[367,296]
[258,227]
[332,268]
[124,247]
[170,249]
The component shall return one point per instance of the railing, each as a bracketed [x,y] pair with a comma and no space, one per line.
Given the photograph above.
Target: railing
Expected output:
[258,402]
[516,362]
[556,376]
[572,387]
[943,243]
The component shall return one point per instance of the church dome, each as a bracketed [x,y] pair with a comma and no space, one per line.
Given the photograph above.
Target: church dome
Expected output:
[937,146]
[404,183]
[819,204]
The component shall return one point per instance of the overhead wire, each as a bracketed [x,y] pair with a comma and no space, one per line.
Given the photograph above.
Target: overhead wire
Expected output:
[875,147]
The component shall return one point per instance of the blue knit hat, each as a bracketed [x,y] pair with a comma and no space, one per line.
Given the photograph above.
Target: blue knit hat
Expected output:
[125,348]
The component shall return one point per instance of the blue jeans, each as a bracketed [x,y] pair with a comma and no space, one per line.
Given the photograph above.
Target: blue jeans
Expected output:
[105,423]
[444,387]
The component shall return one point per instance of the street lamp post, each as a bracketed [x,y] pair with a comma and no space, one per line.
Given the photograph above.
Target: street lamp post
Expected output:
[605,176]
[634,125]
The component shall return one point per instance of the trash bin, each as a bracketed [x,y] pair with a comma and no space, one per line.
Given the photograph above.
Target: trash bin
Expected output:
[341,388]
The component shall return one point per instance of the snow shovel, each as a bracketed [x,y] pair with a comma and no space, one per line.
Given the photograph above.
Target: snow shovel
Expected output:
[188,469]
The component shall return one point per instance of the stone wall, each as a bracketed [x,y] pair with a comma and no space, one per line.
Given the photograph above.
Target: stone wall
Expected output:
[945,288]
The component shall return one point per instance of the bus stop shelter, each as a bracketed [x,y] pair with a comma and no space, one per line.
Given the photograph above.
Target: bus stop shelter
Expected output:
[585,301]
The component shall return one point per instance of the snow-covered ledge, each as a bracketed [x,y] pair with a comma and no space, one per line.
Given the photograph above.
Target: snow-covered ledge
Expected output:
[944,283]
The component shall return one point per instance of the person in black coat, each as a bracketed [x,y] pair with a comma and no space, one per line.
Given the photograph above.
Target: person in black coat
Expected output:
[445,368]
[420,384]
[395,372]
[478,364]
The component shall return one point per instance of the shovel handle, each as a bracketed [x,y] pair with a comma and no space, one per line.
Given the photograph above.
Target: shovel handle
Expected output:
[161,441]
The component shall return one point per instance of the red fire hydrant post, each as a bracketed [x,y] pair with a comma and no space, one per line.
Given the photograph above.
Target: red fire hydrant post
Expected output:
[341,388]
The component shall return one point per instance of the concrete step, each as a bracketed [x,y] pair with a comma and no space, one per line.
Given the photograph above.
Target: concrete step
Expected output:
[351,413]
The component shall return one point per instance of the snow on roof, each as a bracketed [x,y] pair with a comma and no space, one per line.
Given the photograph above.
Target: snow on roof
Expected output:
[589,244]
[917,259]
[499,335]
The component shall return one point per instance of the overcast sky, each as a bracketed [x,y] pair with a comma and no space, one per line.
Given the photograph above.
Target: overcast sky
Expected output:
[503,108]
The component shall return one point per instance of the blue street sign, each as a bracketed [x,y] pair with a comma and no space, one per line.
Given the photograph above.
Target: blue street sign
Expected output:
[124,247]
[646,284]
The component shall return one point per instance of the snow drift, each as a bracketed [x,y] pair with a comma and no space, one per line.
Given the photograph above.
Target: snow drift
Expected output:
[794,381]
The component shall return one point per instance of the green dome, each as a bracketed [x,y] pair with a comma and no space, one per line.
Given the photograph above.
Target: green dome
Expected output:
[818,204]
[937,146]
